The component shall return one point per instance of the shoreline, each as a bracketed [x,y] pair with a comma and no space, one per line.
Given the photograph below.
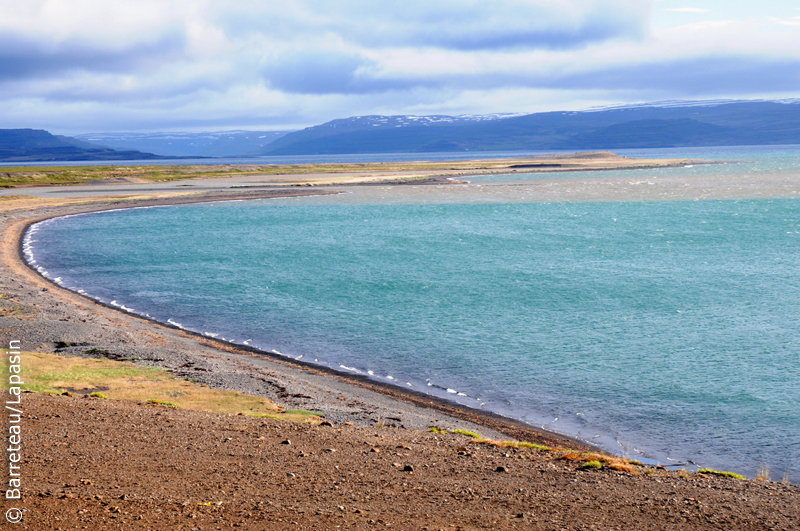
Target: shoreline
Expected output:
[322,174]
[488,419]
[119,464]
[497,423]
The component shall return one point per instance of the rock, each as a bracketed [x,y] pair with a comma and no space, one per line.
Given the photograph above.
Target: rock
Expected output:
[326,423]
[287,441]
[408,468]
[375,450]
[501,469]
[331,450]
[289,475]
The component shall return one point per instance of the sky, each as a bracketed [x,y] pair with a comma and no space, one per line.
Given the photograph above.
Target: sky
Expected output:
[80,66]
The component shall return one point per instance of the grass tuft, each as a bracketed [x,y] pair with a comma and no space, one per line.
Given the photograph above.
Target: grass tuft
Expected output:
[434,429]
[525,444]
[302,412]
[722,473]
[614,463]
[592,464]
[162,402]
[97,394]
[468,433]
[572,455]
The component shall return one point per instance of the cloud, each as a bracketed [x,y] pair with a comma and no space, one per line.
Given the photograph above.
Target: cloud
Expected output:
[452,24]
[688,10]
[325,73]
[141,63]
[703,76]
[794,21]
[22,57]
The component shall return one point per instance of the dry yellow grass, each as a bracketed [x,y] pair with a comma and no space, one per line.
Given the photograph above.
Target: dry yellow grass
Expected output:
[608,461]
[49,373]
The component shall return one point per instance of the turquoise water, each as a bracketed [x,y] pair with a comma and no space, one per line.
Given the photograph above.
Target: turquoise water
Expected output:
[663,330]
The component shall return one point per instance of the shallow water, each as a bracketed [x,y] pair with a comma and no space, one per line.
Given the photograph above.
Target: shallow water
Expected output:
[666,330]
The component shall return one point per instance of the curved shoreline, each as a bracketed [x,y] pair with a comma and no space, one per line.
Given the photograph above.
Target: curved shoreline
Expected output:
[493,421]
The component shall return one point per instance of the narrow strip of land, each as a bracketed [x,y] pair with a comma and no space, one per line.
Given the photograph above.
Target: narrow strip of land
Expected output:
[316,174]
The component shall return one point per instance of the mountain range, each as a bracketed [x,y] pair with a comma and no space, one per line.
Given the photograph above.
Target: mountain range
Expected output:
[205,144]
[665,124]
[36,145]
[647,126]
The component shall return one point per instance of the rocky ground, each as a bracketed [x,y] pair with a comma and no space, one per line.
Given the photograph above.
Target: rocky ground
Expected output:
[102,464]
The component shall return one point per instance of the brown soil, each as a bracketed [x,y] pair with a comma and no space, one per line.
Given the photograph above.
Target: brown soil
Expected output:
[102,464]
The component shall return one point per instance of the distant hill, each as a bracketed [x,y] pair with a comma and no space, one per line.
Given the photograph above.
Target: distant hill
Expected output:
[35,145]
[207,144]
[647,126]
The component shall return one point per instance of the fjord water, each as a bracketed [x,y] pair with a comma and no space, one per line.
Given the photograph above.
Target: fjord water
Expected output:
[665,330]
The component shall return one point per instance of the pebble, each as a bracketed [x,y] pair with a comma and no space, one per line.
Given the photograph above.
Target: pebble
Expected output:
[287,441]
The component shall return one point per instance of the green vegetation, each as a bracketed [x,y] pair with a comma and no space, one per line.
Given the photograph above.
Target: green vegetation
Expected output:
[635,462]
[523,444]
[50,373]
[434,429]
[302,412]
[720,473]
[162,402]
[32,175]
[468,433]
[592,464]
